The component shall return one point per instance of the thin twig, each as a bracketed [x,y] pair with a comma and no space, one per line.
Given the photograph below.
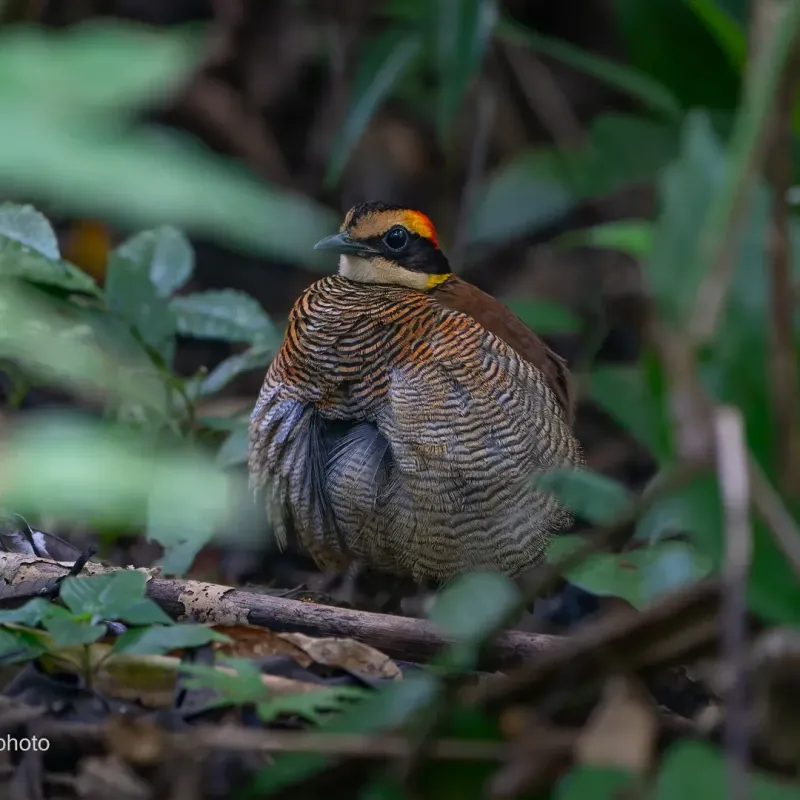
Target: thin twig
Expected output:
[544,96]
[485,115]
[771,509]
[732,468]
[783,362]
[232,737]
[773,29]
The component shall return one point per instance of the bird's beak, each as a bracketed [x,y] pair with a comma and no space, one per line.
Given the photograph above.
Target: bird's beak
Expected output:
[343,244]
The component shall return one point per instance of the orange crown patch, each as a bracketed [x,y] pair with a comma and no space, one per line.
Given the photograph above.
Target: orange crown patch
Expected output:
[417,221]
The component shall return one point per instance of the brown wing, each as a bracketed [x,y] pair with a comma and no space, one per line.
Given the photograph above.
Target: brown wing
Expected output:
[497,318]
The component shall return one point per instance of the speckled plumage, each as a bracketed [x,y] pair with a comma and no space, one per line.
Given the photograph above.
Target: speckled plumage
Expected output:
[394,430]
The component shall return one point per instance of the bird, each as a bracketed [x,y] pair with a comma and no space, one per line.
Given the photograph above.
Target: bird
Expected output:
[402,421]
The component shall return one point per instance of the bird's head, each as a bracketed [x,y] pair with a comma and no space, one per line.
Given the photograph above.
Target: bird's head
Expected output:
[380,243]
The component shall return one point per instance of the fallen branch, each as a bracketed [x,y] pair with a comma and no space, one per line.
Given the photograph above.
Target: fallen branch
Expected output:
[399,637]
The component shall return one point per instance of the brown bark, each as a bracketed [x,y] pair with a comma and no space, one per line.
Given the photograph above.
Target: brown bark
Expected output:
[399,637]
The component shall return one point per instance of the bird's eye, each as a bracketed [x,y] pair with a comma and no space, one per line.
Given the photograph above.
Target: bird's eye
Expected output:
[396,239]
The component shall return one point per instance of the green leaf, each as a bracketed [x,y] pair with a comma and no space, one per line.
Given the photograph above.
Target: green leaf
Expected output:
[145,612]
[389,708]
[131,294]
[696,769]
[687,189]
[256,357]
[593,496]
[24,224]
[593,783]
[638,576]
[543,316]
[225,314]
[19,261]
[164,254]
[72,468]
[242,688]
[703,76]
[103,595]
[316,706]
[179,552]
[631,236]
[101,66]
[539,186]
[115,596]
[384,788]
[18,646]
[468,609]
[30,614]
[724,27]
[66,98]
[67,631]
[143,177]
[385,60]
[624,393]
[773,590]
[463,31]
[621,77]
[158,639]
[234,450]
[55,342]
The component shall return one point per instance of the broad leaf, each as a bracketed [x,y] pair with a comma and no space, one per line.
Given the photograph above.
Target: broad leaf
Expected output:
[234,450]
[66,99]
[24,224]
[590,495]
[164,254]
[256,357]
[69,631]
[131,294]
[19,261]
[244,687]
[30,614]
[387,710]
[159,639]
[115,596]
[94,67]
[315,707]
[594,783]
[696,769]
[638,576]
[75,347]
[539,186]
[19,645]
[74,469]
[625,394]
[687,189]
[474,604]
[225,314]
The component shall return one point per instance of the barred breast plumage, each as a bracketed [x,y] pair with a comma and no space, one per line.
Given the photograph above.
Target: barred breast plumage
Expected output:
[395,430]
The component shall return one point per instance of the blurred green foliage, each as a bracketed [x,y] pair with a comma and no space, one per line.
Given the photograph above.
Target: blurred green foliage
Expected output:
[69,99]
[118,343]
